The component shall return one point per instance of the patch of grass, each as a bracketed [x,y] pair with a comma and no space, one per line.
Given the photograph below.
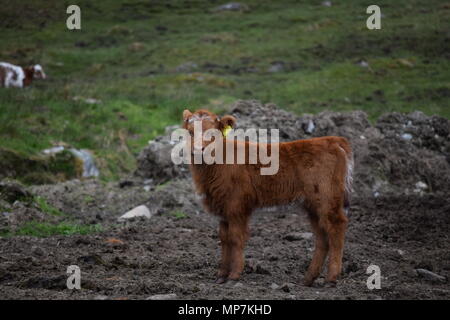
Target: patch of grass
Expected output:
[89,199]
[162,186]
[43,229]
[177,214]
[45,207]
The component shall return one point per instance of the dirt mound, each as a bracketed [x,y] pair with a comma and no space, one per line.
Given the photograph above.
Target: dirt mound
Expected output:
[41,168]
[400,154]
[154,161]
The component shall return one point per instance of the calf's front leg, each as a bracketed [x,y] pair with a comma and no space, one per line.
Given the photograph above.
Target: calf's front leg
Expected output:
[225,262]
[238,233]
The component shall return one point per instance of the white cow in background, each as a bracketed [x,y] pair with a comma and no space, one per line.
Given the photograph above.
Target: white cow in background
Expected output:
[18,77]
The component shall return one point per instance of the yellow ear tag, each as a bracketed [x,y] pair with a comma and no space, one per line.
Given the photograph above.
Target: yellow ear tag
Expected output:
[226,130]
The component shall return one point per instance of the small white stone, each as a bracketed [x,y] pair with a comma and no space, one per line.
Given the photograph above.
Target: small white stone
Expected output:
[407,136]
[421,185]
[169,296]
[92,101]
[364,64]
[310,127]
[306,235]
[362,137]
[147,188]
[53,150]
[141,211]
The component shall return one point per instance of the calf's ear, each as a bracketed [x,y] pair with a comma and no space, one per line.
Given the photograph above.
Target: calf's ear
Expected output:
[226,121]
[186,115]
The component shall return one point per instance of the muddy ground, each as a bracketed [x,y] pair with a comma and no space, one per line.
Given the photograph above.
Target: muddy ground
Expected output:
[399,220]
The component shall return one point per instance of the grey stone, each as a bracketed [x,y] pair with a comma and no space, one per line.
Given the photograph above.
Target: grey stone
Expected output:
[231,6]
[431,276]
[169,296]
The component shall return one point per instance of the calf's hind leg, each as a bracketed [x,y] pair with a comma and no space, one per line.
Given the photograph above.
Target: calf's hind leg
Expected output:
[337,225]
[320,251]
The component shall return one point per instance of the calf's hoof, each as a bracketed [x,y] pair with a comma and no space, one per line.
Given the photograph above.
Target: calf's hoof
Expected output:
[308,281]
[221,280]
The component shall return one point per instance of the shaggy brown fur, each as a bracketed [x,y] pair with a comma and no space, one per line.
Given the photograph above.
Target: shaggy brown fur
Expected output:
[315,171]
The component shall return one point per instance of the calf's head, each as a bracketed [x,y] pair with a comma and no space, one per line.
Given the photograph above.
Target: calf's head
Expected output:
[35,72]
[201,121]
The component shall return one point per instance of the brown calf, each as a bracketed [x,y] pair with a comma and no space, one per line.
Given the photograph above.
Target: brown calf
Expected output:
[316,172]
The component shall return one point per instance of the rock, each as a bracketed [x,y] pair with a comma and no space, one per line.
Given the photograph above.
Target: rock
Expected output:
[327,4]
[274,286]
[187,67]
[295,236]
[83,156]
[87,100]
[41,168]
[89,167]
[232,6]
[407,136]
[101,297]
[287,287]
[309,128]
[421,185]
[169,296]
[141,211]
[37,251]
[276,67]
[12,191]
[155,162]
[364,64]
[431,276]
[53,150]
[125,183]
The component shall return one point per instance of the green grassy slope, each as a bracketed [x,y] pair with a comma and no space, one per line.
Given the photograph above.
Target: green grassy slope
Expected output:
[128,51]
